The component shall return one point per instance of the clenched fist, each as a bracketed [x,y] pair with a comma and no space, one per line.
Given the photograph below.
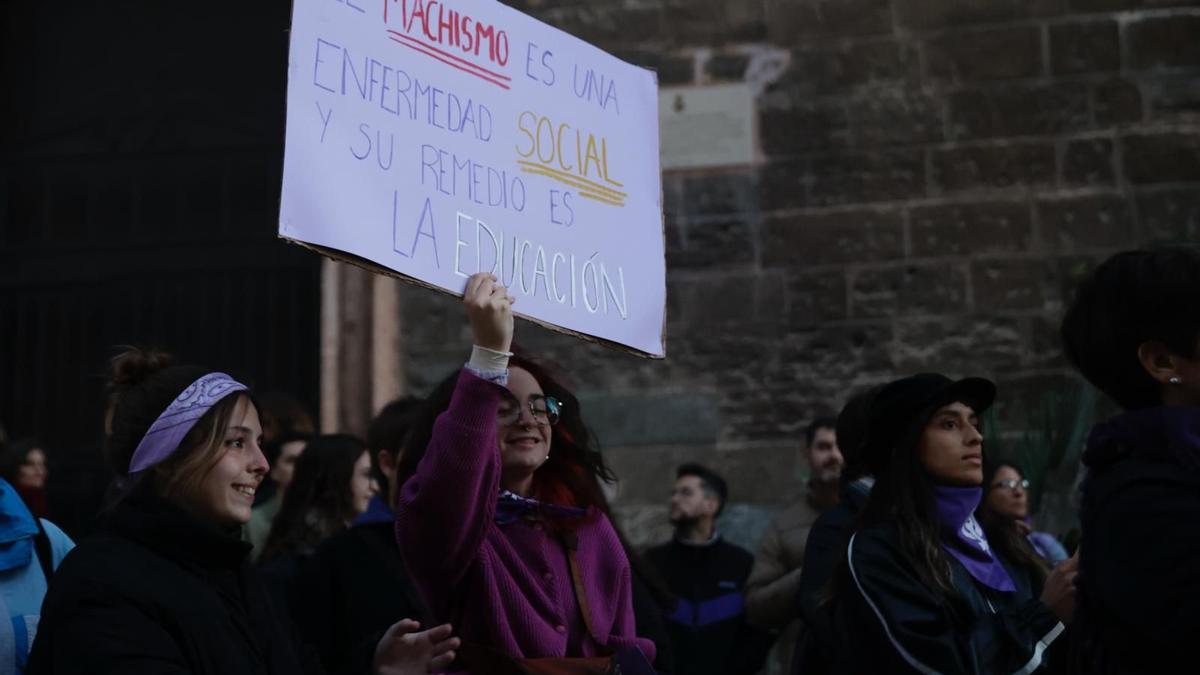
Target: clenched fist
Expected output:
[489,309]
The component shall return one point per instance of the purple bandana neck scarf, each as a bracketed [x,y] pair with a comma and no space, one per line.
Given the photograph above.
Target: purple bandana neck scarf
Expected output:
[511,507]
[963,537]
[177,420]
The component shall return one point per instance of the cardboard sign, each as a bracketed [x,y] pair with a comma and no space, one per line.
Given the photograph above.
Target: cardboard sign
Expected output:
[433,139]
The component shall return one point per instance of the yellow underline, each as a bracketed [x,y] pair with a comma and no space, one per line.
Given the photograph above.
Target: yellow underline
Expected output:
[592,184]
[601,198]
[570,181]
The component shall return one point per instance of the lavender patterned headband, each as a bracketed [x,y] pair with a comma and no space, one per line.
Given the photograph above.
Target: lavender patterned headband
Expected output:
[177,420]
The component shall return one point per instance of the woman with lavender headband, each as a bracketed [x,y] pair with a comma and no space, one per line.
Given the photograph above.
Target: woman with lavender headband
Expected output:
[923,586]
[166,586]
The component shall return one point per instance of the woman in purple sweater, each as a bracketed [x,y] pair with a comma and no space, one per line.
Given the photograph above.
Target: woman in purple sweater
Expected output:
[505,483]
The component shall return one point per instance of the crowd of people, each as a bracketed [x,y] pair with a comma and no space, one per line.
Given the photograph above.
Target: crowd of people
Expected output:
[470,532]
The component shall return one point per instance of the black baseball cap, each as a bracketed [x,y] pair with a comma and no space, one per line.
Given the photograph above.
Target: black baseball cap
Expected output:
[908,402]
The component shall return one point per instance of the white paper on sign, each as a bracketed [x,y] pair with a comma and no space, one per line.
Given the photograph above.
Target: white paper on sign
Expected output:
[437,139]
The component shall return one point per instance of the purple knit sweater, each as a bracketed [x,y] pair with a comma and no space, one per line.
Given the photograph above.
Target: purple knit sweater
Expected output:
[505,586]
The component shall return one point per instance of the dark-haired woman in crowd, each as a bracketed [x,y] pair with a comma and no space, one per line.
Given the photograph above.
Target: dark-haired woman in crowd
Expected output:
[500,505]
[23,465]
[165,587]
[331,486]
[923,587]
[1133,330]
[281,456]
[1006,501]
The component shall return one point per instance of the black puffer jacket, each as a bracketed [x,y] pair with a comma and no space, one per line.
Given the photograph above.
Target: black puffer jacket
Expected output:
[156,591]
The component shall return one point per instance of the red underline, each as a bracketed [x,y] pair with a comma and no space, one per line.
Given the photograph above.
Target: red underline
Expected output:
[465,62]
[449,55]
[452,64]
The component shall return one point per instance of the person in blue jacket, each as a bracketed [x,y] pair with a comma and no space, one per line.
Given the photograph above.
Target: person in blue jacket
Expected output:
[30,550]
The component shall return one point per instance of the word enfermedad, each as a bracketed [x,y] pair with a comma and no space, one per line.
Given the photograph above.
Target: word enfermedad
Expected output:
[338,71]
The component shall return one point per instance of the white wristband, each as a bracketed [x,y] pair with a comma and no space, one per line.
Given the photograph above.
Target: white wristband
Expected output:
[488,360]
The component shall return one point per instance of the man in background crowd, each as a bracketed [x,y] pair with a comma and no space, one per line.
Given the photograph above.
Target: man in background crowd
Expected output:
[708,629]
[827,538]
[775,580]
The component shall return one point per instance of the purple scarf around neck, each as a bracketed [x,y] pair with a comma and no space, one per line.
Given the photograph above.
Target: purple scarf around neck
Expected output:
[511,507]
[963,537]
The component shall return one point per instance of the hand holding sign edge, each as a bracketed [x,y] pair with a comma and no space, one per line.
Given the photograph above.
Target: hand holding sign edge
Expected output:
[489,310]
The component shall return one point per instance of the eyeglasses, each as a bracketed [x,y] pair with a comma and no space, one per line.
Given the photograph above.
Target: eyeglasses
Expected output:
[544,409]
[1012,484]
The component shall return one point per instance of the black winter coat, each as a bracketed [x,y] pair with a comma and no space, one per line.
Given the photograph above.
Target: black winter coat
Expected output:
[1138,608]
[158,592]
[886,621]
[349,592]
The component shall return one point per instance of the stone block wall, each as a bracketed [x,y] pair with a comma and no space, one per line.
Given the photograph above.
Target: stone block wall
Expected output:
[934,177]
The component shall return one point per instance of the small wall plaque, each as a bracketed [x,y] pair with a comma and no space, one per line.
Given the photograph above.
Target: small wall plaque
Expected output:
[706,126]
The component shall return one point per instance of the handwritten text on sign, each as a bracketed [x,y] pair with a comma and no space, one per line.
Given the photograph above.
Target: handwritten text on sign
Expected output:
[440,138]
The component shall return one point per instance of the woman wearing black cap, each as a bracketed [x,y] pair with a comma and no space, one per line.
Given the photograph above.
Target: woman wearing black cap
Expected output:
[923,587]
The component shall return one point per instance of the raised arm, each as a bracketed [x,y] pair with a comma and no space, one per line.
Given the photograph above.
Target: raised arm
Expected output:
[445,509]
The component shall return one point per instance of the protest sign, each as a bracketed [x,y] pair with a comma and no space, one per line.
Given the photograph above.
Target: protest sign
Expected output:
[434,139]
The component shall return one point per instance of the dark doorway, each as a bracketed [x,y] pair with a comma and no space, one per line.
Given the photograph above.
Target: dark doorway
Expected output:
[142,155]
